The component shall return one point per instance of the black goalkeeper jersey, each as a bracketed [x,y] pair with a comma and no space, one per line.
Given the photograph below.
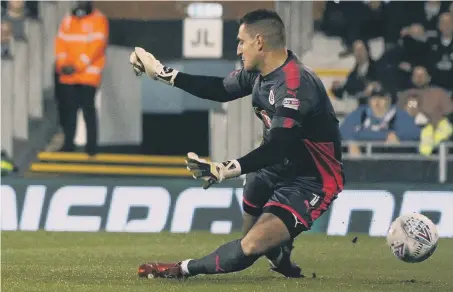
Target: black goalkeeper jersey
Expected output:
[292,96]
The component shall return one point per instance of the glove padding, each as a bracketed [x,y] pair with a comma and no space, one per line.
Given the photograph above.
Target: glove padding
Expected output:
[211,172]
[143,61]
[137,65]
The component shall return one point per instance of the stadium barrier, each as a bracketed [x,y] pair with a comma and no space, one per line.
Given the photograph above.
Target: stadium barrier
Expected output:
[50,22]
[7,103]
[181,205]
[35,70]
[435,166]
[20,79]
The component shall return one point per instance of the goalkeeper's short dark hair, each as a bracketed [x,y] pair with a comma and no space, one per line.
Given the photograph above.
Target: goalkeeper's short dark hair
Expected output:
[267,23]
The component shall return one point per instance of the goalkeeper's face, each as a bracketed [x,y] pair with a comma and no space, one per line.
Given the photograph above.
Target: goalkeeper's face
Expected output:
[250,49]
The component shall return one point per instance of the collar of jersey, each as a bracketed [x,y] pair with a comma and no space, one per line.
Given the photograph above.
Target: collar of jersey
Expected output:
[270,75]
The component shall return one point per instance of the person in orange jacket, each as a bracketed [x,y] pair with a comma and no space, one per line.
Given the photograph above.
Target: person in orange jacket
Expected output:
[80,53]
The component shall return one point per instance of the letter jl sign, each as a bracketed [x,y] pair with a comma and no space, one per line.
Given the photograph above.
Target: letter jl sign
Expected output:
[202,36]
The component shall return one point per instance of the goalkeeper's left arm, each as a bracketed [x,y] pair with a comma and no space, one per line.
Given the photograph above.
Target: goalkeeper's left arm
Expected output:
[206,87]
[268,154]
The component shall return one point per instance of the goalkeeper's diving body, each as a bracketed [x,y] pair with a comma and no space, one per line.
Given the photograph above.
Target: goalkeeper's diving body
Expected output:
[292,177]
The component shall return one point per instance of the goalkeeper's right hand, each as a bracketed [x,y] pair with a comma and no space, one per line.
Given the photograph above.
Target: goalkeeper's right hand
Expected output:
[142,61]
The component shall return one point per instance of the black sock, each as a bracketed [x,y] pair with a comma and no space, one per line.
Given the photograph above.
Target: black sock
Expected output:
[274,253]
[226,259]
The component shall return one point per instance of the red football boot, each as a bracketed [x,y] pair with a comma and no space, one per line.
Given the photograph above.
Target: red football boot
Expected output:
[160,270]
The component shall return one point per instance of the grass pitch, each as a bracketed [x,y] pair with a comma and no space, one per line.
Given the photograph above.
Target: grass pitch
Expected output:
[44,261]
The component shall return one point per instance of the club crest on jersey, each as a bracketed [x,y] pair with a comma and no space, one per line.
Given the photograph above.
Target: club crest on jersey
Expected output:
[271,97]
[292,103]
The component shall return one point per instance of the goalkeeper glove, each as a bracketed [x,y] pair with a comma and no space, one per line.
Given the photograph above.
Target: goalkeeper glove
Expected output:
[144,62]
[212,172]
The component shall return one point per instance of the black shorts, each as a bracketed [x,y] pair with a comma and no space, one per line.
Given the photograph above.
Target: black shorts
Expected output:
[297,202]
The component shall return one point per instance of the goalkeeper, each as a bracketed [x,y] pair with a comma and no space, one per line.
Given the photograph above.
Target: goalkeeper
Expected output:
[293,177]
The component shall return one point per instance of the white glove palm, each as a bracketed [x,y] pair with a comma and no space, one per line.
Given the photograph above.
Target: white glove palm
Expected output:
[143,61]
[211,172]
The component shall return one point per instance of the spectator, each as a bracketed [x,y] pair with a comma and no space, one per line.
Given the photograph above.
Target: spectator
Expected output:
[393,22]
[364,72]
[6,39]
[420,79]
[365,21]
[434,102]
[15,14]
[414,52]
[358,16]
[412,105]
[333,19]
[427,14]
[432,110]
[353,14]
[437,106]
[31,8]
[441,55]
[379,121]
[80,58]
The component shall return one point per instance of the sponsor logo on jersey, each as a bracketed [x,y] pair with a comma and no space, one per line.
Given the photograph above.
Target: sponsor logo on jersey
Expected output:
[315,200]
[292,103]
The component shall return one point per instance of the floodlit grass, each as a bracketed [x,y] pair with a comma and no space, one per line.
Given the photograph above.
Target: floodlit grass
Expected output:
[46,261]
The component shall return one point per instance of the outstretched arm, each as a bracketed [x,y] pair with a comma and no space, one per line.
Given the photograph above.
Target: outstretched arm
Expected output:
[236,85]
[205,87]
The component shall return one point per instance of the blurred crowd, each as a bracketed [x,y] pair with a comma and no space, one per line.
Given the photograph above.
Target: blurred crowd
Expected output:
[406,94]
[13,22]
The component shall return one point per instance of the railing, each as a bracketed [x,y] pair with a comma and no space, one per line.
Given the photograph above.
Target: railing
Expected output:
[404,151]
[401,151]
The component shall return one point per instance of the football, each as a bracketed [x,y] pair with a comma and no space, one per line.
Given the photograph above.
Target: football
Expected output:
[412,237]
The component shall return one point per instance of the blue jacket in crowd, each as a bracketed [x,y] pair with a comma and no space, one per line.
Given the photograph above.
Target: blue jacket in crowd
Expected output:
[362,125]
